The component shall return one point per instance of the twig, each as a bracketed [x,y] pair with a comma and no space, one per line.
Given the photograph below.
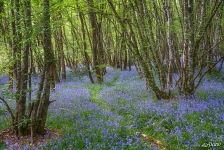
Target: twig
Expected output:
[52,101]
[209,69]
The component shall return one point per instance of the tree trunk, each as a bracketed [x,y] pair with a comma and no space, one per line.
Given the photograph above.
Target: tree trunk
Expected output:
[86,56]
[97,42]
[40,107]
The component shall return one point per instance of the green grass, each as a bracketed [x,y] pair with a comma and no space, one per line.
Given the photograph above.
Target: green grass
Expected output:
[114,80]
[94,90]
[205,95]
[4,123]
[63,125]
[215,74]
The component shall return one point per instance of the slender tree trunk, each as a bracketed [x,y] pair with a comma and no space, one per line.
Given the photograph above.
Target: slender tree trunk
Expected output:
[86,56]
[97,42]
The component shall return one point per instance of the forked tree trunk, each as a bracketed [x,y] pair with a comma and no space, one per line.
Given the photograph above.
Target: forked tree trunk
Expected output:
[40,107]
[37,111]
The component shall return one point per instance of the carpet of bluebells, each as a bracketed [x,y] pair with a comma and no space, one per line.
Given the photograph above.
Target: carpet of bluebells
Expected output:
[113,115]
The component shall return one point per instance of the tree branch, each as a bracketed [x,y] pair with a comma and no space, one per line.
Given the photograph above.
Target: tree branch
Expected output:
[8,108]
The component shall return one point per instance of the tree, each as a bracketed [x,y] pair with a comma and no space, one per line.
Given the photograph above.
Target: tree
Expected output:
[97,41]
[33,118]
[40,107]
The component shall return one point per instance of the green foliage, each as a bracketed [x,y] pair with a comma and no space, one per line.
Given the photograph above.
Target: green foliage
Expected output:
[5,61]
[218,94]
[2,111]
[64,125]
[193,118]
[113,81]
[102,66]
[5,121]
[95,97]
[2,145]
[206,95]
[203,95]
[215,75]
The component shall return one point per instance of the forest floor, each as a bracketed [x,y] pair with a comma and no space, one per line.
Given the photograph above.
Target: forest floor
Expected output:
[123,114]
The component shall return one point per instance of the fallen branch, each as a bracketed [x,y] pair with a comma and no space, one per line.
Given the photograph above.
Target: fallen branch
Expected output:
[157,143]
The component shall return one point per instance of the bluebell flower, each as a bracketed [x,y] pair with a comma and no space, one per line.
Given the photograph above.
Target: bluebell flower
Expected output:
[222,117]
